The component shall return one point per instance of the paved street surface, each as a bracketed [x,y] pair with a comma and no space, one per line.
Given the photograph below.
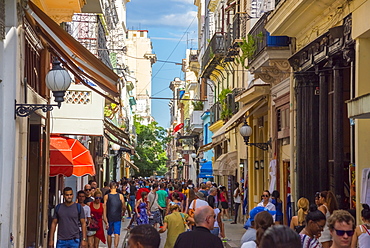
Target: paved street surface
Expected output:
[233,232]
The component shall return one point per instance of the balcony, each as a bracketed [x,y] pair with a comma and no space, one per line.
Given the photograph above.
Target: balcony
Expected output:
[196,122]
[232,37]
[269,60]
[266,42]
[215,113]
[214,53]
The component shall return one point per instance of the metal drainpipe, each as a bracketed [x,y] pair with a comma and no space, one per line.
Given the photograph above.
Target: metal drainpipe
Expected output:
[293,188]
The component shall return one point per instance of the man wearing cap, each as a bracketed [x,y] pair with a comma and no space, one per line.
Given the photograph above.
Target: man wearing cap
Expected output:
[199,201]
[250,234]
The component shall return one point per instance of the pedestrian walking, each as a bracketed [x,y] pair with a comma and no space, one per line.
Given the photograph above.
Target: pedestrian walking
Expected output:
[114,207]
[275,199]
[299,222]
[224,202]
[342,227]
[262,220]
[201,236]
[237,201]
[142,209]
[266,203]
[174,224]
[81,196]
[328,205]
[155,215]
[67,217]
[144,236]
[95,235]
[250,234]
[175,200]
[162,202]
[315,223]
[280,236]
[362,232]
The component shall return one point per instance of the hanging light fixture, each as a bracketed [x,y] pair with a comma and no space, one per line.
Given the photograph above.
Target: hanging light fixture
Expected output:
[58,81]
[246,132]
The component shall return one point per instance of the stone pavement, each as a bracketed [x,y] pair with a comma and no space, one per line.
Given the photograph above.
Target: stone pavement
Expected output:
[233,232]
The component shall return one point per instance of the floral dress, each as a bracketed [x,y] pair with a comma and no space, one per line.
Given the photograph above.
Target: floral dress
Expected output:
[98,215]
[143,219]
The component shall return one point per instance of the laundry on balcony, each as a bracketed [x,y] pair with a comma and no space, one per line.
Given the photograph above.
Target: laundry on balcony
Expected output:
[74,56]
[69,157]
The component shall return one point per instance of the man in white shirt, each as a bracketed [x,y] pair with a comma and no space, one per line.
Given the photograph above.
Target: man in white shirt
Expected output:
[237,201]
[199,201]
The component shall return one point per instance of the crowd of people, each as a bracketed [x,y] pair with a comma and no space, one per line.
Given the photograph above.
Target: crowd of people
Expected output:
[194,216]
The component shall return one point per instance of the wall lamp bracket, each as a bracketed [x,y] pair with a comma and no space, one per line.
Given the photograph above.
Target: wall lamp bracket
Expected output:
[24,110]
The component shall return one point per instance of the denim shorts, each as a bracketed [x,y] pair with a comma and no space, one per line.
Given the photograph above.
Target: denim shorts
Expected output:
[215,231]
[114,228]
[69,243]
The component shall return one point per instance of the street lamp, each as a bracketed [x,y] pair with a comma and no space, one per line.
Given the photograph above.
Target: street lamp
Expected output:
[246,132]
[58,81]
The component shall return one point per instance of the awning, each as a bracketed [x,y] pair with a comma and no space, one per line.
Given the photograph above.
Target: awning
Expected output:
[131,164]
[226,164]
[206,170]
[112,128]
[235,120]
[206,147]
[69,157]
[359,107]
[79,60]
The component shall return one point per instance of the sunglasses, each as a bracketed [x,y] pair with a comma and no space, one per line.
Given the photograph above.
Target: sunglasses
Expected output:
[342,232]
[96,198]
[87,189]
[265,195]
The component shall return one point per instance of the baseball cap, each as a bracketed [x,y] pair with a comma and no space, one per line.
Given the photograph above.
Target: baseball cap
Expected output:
[253,214]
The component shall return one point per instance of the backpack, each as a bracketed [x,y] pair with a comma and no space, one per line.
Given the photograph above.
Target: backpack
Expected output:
[78,209]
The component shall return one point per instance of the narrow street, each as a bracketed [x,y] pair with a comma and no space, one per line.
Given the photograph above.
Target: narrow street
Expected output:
[233,232]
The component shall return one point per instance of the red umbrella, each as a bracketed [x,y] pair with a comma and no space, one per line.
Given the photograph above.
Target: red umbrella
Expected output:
[81,162]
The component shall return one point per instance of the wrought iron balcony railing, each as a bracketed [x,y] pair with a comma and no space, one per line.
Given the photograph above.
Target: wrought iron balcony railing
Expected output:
[213,54]
[215,112]
[263,39]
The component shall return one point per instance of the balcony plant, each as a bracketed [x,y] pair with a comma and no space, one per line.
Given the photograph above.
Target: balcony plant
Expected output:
[226,112]
[198,105]
[248,47]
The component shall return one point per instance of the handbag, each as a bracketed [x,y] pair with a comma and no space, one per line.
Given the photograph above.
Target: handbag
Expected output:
[187,228]
[93,225]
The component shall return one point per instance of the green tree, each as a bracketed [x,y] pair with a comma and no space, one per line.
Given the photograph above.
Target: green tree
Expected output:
[151,140]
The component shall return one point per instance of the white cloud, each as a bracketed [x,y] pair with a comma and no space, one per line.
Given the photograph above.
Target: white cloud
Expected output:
[180,20]
[184,1]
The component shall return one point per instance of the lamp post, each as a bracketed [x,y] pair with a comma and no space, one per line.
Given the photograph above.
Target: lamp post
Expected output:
[58,81]
[116,159]
[246,132]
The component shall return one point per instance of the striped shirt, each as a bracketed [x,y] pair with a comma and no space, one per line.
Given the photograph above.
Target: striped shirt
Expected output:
[308,242]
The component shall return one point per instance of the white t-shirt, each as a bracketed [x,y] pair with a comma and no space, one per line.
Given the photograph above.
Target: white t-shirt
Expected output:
[249,244]
[237,199]
[217,211]
[198,203]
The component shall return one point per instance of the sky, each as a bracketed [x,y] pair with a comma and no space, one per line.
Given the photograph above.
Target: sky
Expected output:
[172,26]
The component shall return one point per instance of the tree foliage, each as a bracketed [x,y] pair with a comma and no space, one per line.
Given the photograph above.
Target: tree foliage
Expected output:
[151,140]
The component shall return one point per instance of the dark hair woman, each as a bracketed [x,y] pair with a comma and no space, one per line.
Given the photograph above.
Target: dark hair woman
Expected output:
[280,236]
[315,223]
[262,221]
[275,199]
[329,204]
[362,232]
